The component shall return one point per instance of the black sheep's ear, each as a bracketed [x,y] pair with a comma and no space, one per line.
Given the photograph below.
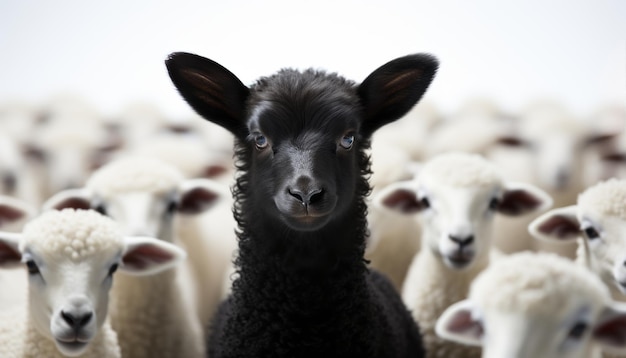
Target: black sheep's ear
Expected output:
[393,89]
[210,89]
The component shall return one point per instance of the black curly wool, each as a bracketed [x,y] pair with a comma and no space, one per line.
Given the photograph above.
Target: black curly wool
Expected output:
[308,294]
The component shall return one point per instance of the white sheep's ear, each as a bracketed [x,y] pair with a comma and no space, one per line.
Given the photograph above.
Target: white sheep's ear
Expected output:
[610,332]
[146,255]
[458,324]
[10,254]
[199,195]
[71,198]
[400,197]
[522,198]
[12,210]
[559,224]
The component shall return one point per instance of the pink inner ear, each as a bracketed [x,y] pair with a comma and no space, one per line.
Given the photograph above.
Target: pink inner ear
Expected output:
[516,202]
[612,332]
[213,170]
[10,214]
[8,254]
[196,200]
[403,201]
[463,323]
[144,256]
[73,203]
[511,141]
[560,227]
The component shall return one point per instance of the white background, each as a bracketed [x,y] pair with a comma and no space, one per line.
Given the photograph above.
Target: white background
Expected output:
[112,52]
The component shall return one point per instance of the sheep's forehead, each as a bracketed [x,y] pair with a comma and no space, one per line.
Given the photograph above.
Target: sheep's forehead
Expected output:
[548,123]
[76,235]
[292,102]
[459,170]
[605,199]
[537,284]
[135,174]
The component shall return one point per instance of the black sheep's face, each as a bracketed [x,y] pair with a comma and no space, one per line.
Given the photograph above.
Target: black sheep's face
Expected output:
[305,160]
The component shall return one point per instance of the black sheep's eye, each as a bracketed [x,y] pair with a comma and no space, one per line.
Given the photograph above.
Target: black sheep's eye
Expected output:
[493,204]
[591,233]
[113,269]
[33,269]
[425,202]
[260,141]
[347,141]
[577,331]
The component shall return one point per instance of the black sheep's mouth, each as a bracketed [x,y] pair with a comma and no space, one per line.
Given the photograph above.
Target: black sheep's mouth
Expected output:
[306,222]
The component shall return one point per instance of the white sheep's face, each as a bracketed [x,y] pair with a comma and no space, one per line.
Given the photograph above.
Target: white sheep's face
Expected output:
[516,333]
[457,222]
[519,335]
[144,212]
[70,297]
[605,238]
[141,213]
[69,288]
[580,326]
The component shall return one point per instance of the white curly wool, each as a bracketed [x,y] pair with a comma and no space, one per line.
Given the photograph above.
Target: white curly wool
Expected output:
[77,234]
[459,170]
[535,284]
[139,173]
[154,316]
[606,198]
[20,339]
[57,236]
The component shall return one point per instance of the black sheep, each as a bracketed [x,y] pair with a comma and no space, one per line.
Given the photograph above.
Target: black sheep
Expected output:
[303,287]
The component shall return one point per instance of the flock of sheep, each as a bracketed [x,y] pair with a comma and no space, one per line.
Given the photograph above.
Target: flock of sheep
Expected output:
[247,234]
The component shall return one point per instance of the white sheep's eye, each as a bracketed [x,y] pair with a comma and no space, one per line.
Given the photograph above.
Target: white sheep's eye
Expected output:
[493,204]
[347,141]
[113,269]
[260,141]
[591,233]
[577,332]
[425,202]
[171,207]
[100,208]
[33,269]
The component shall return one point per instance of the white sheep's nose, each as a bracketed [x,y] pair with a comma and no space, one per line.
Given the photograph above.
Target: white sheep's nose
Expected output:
[462,240]
[76,319]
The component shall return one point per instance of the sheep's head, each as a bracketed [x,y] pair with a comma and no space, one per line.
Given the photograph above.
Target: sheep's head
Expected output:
[142,195]
[554,142]
[457,196]
[302,135]
[536,305]
[599,220]
[71,258]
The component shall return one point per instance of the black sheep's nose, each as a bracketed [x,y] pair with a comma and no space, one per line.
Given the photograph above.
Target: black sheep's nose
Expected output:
[307,196]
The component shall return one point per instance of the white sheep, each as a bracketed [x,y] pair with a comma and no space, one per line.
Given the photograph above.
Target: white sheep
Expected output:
[148,197]
[598,223]
[473,128]
[456,196]
[13,214]
[547,147]
[394,239]
[71,256]
[531,305]
[191,153]
[410,133]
